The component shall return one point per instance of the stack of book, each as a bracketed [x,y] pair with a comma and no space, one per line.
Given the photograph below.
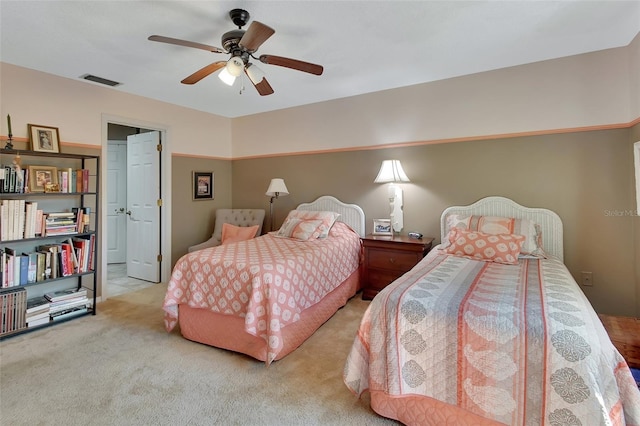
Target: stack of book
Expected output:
[60,223]
[37,311]
[67,303]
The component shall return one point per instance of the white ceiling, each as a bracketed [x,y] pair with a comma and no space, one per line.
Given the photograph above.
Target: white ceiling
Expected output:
[364,46]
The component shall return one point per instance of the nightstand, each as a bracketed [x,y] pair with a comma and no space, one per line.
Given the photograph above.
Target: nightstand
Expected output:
[387,258]
[624,332]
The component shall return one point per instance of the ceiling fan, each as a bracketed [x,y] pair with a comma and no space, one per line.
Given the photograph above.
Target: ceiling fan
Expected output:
[241,45]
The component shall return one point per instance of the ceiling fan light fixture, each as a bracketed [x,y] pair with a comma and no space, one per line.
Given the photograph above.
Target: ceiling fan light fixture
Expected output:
[235,66]
[226,77]
[256,75]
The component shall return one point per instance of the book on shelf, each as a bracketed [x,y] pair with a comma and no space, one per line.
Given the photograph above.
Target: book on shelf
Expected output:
[51,267]
[65,294]
[13,306]
[39,226]
[32,269]
[37,304]
[43,271]
[33,322]
[11,268]
[73,312]
[64,305]
[31,208]
[37,315]
[24,269]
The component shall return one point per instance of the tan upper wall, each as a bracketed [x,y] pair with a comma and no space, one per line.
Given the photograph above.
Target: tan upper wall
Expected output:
[574,92]
[77,108]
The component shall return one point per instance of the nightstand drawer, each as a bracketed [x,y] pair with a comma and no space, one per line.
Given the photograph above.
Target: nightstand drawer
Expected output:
[377,279]
[392,259]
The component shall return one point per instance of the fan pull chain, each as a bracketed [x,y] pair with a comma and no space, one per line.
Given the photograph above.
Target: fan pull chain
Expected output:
[241,83]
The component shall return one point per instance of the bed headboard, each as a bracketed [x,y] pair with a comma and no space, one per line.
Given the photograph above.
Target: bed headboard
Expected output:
[549,221]
[351,214]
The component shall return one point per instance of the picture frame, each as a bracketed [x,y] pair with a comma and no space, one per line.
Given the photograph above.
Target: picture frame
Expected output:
[382,227]
[42,178]
[202,186]
[44,138]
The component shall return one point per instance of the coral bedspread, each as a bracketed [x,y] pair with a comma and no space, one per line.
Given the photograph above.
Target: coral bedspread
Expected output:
[268,281]
[514,344]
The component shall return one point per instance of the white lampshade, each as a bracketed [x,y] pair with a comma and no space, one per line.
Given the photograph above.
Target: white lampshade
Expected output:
[277,188]
[391,171]
[226,78]
[255,74]
[235,66]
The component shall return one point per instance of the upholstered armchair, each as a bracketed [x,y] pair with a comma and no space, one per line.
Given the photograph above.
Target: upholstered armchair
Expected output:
[237,217]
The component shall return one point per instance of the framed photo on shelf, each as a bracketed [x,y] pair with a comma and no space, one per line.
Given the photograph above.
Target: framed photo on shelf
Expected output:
[44,138]
[203,185]
[42,178]
[382,227]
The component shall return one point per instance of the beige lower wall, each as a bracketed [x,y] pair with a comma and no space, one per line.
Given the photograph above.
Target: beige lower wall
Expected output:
[586,177]
[192,220]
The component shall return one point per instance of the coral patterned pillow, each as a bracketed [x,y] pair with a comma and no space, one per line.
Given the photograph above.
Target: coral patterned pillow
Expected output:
[532,244]
[300,229]
[234,234]
[499,248]
[328,219]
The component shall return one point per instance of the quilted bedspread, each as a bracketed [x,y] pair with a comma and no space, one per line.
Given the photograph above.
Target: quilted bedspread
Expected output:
[268,280]
[516,344]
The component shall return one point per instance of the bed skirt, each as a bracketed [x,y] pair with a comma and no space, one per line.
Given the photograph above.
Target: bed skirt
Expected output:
[424,411]
[227,331]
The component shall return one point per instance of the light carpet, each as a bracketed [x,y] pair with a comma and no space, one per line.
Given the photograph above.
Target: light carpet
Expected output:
[121,367]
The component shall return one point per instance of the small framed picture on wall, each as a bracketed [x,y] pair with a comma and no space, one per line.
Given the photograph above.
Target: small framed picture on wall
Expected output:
[203,185]
[382,227]
[44,138]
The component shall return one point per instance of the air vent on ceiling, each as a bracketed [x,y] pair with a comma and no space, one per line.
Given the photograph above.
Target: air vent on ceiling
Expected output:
[100,80]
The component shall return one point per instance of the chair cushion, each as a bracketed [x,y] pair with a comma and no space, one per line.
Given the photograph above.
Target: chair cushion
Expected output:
[233,234]
[237,217]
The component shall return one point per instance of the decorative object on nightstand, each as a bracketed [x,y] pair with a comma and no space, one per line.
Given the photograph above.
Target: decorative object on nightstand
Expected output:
[276,189]
[387,258]
[391,172]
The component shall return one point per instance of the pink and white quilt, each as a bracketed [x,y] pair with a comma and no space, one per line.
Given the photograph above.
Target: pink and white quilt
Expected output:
[268,280]
[461,341]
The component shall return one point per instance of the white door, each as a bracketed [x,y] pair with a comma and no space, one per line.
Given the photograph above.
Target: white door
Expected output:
[143,193]
[117,202]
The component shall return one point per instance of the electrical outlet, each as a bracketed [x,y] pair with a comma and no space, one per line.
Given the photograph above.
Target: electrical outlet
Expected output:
[587,279]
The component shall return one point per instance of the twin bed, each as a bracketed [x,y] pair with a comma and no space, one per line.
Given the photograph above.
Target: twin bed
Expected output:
[474,334]
[469,336]
[265,296]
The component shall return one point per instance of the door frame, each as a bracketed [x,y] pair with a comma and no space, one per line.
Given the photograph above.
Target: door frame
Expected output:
[165,193]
